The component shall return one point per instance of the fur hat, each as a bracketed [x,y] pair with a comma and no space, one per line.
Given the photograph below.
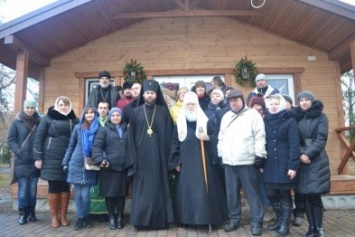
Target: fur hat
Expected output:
[259,100]
[127,85]
[104,74]
[260,76]
[200,83]
[29,103]
[305,94]
[114,109]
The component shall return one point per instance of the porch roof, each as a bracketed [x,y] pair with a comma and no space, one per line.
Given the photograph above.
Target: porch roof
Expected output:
[325,25]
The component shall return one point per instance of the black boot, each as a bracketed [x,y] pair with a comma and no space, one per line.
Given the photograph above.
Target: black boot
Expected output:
[318,221]
[120,209]
[276,225]
[23,215]
[110,206]
[310,218]
[230,226]
[31,213]
[286,212]
[112,222]
[120,220]
[87,222]
[79,224]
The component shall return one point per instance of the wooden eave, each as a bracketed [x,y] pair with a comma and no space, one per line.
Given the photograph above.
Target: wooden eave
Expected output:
[65,25]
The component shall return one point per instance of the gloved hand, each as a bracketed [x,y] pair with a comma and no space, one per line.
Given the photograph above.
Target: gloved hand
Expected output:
[259,162]
[65,168]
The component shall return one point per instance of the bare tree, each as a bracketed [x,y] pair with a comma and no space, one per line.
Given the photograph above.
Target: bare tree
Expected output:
[348,87]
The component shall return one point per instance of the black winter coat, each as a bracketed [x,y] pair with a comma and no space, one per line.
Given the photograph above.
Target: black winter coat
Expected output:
[314,178]
[18,132]
[52,139]
[282,146]
[109,142]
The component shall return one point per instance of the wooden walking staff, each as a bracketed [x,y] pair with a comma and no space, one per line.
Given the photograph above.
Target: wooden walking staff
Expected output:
[203,157]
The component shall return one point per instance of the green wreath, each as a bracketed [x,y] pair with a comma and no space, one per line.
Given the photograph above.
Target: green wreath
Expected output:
[133,65]
[245,72]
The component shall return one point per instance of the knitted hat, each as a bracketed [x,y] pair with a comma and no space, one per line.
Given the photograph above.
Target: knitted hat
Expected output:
[218,91]
[305,94]
[29,103]
[288,99]
[104,74]
[260,76]
[127,85]
[200,83]
[114,109]
[259,100]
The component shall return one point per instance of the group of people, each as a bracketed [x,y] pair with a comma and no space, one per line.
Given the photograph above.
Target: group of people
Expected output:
[213,143]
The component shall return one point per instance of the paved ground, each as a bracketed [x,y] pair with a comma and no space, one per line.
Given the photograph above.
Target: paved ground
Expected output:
[337,223]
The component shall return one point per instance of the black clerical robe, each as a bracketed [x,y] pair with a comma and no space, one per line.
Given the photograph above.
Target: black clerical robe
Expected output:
[196,203]
[147,159]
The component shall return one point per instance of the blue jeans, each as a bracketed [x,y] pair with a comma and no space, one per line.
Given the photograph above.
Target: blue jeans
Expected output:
[82,199]
[26,191]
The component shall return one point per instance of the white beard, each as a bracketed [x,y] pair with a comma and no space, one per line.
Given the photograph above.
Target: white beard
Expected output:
[191,116]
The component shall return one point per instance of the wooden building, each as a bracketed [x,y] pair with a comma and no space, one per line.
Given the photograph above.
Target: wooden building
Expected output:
[310,43]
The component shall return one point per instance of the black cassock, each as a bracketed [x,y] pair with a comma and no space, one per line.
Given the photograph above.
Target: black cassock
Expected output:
[147,157]
[193,205]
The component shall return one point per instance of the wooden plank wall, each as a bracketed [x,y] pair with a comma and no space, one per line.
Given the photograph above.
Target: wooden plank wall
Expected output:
[197,43]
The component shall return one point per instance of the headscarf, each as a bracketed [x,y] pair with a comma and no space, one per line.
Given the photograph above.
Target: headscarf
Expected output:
[282,105]
[56,104]
[201,122]
[87,135]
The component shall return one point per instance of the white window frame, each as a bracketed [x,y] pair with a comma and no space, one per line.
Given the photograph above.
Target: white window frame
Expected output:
[290,84]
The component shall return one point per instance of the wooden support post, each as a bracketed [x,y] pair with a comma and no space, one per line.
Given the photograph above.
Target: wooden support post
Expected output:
[21,78]
[352,52]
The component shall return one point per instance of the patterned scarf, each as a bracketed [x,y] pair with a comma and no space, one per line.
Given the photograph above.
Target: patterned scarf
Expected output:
[87,137]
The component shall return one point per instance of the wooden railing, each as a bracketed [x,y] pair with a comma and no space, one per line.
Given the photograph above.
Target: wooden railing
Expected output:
[347,146]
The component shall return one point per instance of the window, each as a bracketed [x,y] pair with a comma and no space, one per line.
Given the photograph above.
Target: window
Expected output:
[188,81]
[284,83]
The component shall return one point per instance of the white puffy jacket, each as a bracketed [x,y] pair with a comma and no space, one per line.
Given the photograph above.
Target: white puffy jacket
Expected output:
[243,139]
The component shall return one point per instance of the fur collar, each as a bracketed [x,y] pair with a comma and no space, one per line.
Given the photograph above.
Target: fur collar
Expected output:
[54,114]
[314,112]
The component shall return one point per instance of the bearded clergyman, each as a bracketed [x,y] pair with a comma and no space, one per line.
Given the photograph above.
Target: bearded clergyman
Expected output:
[149,139]
[104,92]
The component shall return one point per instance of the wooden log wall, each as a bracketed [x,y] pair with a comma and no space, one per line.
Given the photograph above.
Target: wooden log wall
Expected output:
[185,44]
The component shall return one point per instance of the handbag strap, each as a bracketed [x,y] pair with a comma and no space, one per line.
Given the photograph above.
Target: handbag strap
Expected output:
[33,128]
[237,115]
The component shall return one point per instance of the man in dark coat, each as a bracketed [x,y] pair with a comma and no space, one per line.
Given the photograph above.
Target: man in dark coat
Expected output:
[136,90]
[104,92]
[147,158]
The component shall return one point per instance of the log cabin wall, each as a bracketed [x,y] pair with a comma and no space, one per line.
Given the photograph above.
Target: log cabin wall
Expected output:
[197,43]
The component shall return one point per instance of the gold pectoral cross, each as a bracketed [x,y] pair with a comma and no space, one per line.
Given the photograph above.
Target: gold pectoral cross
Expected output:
[150,132]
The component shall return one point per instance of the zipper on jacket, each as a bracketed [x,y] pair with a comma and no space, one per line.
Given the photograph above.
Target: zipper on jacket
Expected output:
[49,143]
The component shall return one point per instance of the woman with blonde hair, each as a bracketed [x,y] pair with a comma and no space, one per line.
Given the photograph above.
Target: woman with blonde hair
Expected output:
[51,142]
[174,111]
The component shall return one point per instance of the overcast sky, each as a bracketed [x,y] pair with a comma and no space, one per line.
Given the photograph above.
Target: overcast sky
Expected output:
[11,9]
